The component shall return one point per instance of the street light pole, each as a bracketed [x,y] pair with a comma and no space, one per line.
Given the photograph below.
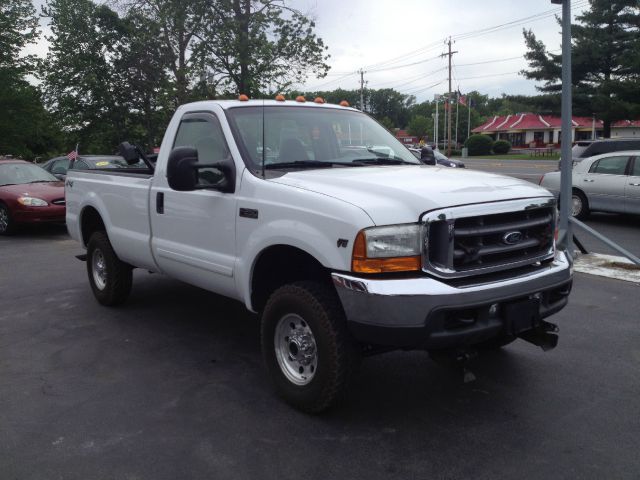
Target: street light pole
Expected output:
[566,200]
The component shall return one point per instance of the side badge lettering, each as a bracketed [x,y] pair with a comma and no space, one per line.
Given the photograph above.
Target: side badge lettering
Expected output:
[342,243]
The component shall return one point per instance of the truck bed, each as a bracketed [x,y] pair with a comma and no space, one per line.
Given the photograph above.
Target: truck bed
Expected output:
[121,197]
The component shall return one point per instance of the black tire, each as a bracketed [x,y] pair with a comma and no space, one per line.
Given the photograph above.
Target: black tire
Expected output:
[7,226]
[109,277]
[317,307]
[496,343]
[579,205]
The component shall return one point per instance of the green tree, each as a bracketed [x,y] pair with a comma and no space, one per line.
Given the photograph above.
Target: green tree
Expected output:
[420,126]
[387,123]
[26,129]
[104,76]
[18,28]
[180,25]
[253,46]
[605,65]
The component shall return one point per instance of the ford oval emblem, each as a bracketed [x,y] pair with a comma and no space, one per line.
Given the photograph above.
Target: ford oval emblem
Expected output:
[512,238]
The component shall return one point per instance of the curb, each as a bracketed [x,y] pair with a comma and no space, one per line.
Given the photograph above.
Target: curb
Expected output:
[610,266]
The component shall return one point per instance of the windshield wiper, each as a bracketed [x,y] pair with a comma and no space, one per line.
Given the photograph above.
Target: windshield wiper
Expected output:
[381,161]
[308,164]
[43,181]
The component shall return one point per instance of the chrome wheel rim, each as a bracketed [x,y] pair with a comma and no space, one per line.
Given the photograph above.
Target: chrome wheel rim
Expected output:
[99,269]
[576,205]
[295,348]
[4,219]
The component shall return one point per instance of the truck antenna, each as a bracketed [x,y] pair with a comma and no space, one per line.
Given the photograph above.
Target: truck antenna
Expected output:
[264,142]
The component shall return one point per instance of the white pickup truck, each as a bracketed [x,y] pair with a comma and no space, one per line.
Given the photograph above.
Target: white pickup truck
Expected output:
[317,218]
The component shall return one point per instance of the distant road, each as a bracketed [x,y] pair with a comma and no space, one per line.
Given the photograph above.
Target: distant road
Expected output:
[530,170]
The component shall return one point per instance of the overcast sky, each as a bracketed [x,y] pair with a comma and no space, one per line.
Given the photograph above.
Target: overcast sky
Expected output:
[389,35]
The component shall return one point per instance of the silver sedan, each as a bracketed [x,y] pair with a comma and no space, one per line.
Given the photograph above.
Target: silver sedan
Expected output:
[605,183]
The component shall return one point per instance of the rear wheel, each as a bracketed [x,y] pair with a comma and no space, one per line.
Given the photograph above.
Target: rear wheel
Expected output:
[6,224]
[306,346]
[109,277]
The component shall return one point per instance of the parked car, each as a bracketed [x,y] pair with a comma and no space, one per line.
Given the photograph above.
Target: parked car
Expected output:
[28,194]
[58,166]
[588,148]
[441,159]
[606,183]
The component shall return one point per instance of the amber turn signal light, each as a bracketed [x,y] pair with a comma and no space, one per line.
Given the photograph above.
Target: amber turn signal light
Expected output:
[361,264]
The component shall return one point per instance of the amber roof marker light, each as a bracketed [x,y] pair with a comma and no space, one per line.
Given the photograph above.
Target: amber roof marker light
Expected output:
[243,98]
[300,99]
[344,103]
[280,98]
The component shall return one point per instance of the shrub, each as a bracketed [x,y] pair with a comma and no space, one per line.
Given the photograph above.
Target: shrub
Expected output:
[500,147]
[479,145]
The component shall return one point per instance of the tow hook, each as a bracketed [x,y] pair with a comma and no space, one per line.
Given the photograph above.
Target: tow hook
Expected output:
[458,358]
[544,336]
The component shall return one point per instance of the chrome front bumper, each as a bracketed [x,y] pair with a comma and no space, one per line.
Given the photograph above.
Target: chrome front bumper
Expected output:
[432,313]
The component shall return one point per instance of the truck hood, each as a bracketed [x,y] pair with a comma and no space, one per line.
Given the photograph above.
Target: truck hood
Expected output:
[400,194]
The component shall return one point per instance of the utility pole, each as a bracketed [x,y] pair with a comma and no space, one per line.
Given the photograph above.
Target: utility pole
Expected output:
[361,89]
[448,109]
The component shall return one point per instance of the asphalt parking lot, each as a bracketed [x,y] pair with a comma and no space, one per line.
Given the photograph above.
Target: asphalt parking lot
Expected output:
[171,386]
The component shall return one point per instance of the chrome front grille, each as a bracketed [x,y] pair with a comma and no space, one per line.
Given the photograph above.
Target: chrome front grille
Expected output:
[484,238]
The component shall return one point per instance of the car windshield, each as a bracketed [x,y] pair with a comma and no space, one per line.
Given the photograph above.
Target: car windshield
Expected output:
[579,148]
[312,137]
[109,162]
[20,173]
[439,156]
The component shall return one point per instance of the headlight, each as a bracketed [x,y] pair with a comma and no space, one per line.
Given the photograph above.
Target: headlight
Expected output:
[32,202]
[394,248]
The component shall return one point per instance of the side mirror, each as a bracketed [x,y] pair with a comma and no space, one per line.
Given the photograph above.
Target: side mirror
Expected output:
[183,172]
[427,156]
[129,153]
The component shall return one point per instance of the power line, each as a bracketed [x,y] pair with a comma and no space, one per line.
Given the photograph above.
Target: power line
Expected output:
[466,35]
[405,65]
[491,75]
[420,76]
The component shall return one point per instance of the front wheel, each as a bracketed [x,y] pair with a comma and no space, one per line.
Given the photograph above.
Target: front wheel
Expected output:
[306,346]
[109,277]
[579,205]
[6,223]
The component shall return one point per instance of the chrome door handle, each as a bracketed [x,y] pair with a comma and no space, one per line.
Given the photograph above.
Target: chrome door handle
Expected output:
[588,180]
[635,184]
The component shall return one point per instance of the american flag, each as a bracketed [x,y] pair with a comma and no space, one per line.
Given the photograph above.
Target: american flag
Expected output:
[73,154]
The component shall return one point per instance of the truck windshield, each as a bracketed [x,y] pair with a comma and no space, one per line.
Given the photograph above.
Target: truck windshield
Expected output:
[309,137]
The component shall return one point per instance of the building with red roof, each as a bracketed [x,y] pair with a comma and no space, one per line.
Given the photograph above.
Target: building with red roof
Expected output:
[532,130]
[405,138]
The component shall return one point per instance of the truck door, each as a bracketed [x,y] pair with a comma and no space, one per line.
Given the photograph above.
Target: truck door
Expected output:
[193,233]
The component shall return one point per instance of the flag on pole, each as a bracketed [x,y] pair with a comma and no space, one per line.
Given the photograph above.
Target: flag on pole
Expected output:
[73,155]
[462,100]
